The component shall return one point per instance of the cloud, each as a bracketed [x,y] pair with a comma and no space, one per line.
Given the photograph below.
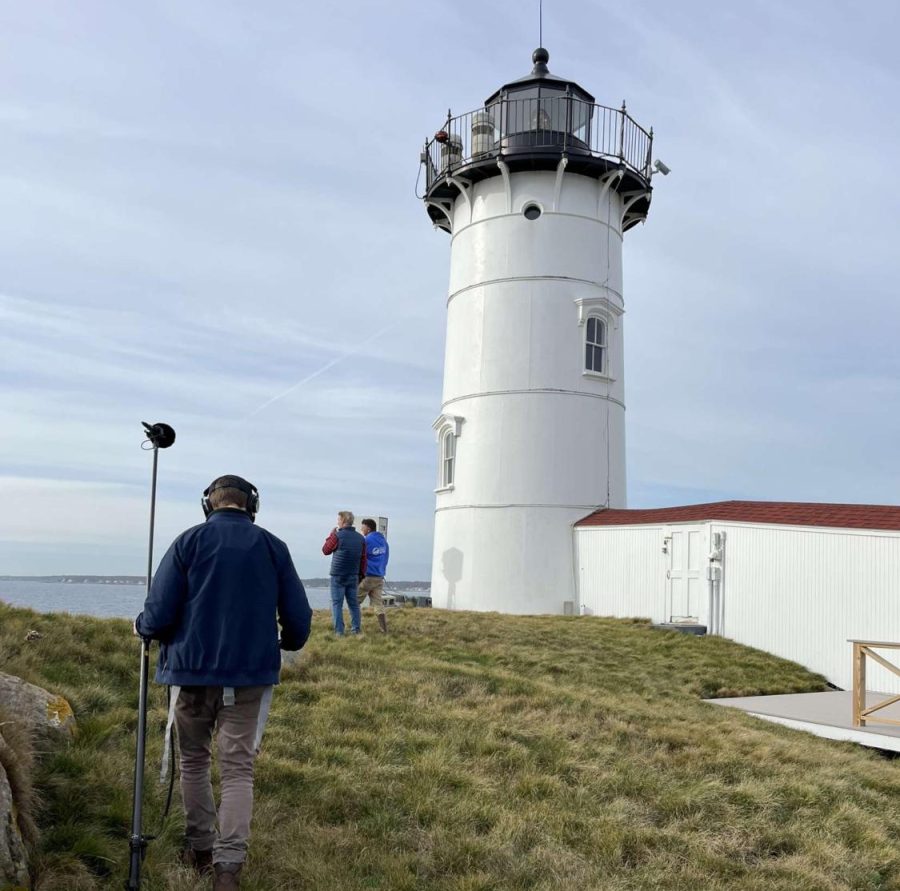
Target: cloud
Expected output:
[210,220]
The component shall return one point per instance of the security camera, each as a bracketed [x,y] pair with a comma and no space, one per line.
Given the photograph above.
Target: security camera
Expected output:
[661,168]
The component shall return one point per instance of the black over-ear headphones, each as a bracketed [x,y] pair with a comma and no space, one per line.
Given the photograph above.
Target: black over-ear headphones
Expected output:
[232,482]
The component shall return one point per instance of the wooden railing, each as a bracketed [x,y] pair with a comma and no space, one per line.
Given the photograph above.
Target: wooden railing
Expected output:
[863,649]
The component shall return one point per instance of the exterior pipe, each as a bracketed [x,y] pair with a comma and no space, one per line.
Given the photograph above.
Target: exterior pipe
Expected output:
[720,585]
[719,605]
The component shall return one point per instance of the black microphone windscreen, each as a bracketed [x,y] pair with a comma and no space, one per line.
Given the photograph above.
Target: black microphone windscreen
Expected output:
[161,435]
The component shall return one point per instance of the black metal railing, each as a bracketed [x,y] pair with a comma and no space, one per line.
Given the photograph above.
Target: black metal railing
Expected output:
[549,125]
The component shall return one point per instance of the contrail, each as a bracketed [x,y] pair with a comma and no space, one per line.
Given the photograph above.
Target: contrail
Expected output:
[319,371]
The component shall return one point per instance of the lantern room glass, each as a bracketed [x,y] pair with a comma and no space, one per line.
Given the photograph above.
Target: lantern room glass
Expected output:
[543,114]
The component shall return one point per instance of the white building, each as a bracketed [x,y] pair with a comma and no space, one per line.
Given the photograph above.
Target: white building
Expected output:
[796,580]
[536,188]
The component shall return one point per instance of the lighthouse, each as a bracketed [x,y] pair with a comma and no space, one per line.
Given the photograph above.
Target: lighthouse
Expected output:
[536,189]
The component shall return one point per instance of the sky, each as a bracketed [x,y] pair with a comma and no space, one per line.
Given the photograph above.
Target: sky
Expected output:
[209,219]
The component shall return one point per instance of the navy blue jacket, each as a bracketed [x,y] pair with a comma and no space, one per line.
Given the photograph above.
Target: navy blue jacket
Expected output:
[214,601]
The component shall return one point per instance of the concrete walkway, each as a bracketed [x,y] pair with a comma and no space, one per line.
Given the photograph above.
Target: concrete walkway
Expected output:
[823,714]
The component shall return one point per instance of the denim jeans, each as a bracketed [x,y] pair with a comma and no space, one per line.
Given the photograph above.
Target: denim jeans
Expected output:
[344,587]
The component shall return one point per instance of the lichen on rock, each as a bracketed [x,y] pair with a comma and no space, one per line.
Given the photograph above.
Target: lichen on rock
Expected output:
[59,712]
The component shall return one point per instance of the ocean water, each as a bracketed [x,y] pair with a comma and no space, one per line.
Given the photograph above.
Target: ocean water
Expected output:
[103,601]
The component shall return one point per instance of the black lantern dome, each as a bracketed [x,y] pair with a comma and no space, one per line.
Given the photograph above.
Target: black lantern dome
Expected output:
[539,77]
[542,110]
[537,123]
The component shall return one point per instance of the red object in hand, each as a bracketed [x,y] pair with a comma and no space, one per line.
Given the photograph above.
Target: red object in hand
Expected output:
[441,136]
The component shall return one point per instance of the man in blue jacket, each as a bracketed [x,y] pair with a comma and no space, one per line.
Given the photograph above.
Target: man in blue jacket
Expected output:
[348,566]
[377,555]
[215,604]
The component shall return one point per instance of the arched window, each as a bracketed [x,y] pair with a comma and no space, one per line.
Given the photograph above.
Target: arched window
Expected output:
[447,428]
[599,316]
[448,458]
[595,345]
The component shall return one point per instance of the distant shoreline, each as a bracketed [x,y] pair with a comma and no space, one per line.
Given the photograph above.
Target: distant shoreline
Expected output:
[79,579]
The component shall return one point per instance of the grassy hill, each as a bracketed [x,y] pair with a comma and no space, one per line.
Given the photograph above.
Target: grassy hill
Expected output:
[474,752]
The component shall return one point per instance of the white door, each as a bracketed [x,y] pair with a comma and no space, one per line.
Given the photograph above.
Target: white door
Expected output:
[683,576]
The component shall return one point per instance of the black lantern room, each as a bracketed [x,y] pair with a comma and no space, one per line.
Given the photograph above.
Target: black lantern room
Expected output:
[542,111]
[534,123]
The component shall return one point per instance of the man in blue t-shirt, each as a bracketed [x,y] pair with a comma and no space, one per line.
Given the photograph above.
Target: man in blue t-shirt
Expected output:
[377,553]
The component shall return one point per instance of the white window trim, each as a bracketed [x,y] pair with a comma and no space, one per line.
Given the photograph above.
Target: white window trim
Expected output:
[441,422]
[444,425]
[604,345]
[448,460]
[600,307]
[609,313]
[598,376]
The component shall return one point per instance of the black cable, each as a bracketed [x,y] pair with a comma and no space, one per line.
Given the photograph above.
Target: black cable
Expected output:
[608,336]
[171,775]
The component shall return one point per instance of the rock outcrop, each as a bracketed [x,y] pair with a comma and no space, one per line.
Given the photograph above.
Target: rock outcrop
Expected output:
[13,851]
[43,713]
[27,714]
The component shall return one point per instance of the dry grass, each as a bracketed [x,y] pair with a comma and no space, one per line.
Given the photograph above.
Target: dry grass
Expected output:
[471,752]
[17,761]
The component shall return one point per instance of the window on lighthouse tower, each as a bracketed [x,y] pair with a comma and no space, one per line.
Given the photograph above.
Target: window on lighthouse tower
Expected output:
[595,345]
[448,458]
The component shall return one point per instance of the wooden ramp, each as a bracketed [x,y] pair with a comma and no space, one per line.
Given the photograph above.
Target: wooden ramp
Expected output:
[823,714]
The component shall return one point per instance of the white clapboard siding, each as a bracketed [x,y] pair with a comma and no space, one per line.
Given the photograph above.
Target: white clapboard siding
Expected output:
[796,592]
[621,571]
[801,592]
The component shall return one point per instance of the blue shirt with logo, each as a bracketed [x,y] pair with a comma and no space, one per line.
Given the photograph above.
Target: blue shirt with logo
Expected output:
[377,553]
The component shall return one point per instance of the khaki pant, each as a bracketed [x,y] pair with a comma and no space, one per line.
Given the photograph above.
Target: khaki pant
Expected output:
[373,586]
[198,711]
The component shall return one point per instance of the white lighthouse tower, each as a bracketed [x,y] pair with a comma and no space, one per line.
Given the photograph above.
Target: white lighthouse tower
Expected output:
[536,189]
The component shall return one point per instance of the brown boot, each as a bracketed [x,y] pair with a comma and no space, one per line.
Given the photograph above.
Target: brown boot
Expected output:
[382,623]
[228,875]
[200,861]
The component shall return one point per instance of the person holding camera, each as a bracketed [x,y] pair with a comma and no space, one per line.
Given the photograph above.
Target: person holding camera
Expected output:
[377,555]
[215,605]
[348,567]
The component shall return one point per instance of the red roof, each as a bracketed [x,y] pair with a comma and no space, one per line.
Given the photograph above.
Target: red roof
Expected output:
[791,513]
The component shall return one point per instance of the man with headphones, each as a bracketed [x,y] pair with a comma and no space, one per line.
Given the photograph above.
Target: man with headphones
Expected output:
[215,604]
